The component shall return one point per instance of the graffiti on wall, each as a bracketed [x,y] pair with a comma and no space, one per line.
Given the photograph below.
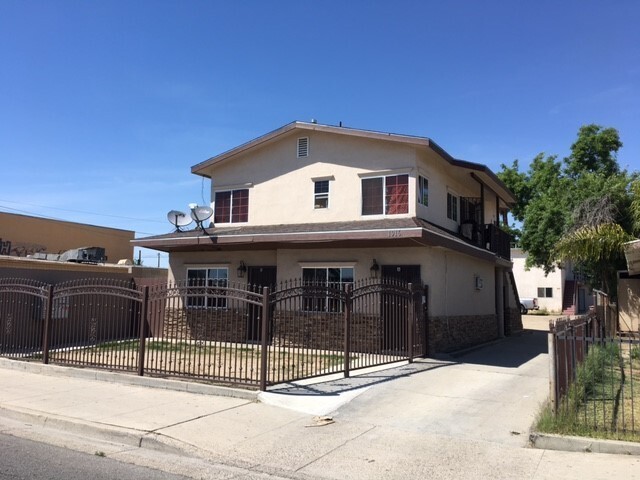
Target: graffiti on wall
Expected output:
[5,247]
[20,249]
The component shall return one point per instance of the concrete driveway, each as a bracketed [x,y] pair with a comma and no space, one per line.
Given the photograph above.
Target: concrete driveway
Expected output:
[489,394]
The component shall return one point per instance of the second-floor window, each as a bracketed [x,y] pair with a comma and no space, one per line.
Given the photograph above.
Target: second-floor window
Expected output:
[452,207]
[321,194]
[423,191]
[232,206]
[385,195]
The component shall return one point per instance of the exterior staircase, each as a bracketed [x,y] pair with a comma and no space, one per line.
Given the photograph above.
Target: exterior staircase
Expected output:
[568,300]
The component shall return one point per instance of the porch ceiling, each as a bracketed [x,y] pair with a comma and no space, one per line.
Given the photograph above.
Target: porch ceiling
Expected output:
[385,233]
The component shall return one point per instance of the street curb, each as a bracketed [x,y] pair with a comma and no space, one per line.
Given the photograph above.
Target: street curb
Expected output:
[103,432]
[546,441]
[129,379]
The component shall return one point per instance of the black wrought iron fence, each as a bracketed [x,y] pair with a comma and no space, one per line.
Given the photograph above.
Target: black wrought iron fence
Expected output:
[595,378]
[221,332]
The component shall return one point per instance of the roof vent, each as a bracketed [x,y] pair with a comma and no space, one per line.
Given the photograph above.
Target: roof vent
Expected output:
[303,147]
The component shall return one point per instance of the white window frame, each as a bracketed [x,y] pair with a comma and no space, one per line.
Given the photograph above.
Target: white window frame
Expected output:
[384,195]
[419,190]
[326,304]
[456,213]
[215,302]
[231,190]
[321,196]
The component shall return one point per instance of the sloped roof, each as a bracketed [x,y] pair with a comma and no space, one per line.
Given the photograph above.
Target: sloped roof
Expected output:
[481,171]
[388,232]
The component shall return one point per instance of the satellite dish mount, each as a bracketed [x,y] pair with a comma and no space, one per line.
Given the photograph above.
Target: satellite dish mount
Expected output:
[178,219]
[200,215]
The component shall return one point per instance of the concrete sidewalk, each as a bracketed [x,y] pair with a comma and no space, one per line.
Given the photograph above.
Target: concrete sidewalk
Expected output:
[453,418]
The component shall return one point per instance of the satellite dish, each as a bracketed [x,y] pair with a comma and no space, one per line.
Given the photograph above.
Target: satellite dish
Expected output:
[201,215]
[178,219]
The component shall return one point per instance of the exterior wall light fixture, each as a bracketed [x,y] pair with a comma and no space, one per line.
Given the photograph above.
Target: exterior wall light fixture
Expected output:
[375,269]
[242,268]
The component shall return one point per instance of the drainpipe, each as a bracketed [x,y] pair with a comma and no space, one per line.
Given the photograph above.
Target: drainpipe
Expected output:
[500,301]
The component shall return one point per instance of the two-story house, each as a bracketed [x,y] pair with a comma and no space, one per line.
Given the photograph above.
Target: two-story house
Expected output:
[333,204]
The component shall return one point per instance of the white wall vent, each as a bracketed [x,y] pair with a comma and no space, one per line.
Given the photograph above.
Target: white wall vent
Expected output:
[303,147]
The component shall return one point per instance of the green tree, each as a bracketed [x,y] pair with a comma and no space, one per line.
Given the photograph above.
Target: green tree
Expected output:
[581,204]
[594,151]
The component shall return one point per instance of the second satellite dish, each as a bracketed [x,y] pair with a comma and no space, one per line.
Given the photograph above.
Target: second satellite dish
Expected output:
[178,219]
[200,214]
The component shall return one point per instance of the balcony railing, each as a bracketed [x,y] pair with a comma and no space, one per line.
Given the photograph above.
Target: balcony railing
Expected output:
[489,237]
[497,241]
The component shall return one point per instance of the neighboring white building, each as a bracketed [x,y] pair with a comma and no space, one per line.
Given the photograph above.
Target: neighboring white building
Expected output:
[559,292]
[334,204]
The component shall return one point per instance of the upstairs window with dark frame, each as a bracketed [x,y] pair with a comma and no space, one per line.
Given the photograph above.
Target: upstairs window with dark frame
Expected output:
[232,206]
[319,282]
[545,292]
[321,194]
[202,291]
[423,191]
[385,195]
[452,207]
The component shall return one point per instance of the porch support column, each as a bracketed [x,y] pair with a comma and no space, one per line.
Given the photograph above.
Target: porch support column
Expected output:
[500,301]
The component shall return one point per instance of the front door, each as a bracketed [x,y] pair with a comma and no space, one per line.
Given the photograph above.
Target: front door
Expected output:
[258,277]
[395,309]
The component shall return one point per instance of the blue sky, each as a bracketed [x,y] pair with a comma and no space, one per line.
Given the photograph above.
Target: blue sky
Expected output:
[105,106]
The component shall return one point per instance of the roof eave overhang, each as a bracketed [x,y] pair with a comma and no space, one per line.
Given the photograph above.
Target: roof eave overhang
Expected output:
[396,237]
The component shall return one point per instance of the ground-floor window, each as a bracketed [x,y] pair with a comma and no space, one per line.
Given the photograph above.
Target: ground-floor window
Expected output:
[545,292]
[318,300]
[202,283]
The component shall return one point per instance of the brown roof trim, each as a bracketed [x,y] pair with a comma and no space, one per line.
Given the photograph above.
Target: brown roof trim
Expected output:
[396,232]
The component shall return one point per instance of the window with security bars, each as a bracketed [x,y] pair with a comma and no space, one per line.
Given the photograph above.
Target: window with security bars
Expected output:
[316,281]
[202,292]
[232,206]
[385,195]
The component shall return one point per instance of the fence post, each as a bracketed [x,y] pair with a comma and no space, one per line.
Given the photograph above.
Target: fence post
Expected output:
[46,334]
[553,381]
[143,330]
[264,329]
[347,329]
[425,326]
[411,321]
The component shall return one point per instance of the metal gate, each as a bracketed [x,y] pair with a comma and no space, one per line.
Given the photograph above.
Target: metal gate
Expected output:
[22,313]
[207,331]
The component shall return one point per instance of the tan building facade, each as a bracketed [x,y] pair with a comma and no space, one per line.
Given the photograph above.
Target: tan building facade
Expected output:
[331,204]
[22,235]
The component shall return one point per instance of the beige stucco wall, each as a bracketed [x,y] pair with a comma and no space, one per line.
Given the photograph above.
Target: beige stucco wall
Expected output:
[528,281]
[273,171]
[31,235]
[281,187]
[450,276]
